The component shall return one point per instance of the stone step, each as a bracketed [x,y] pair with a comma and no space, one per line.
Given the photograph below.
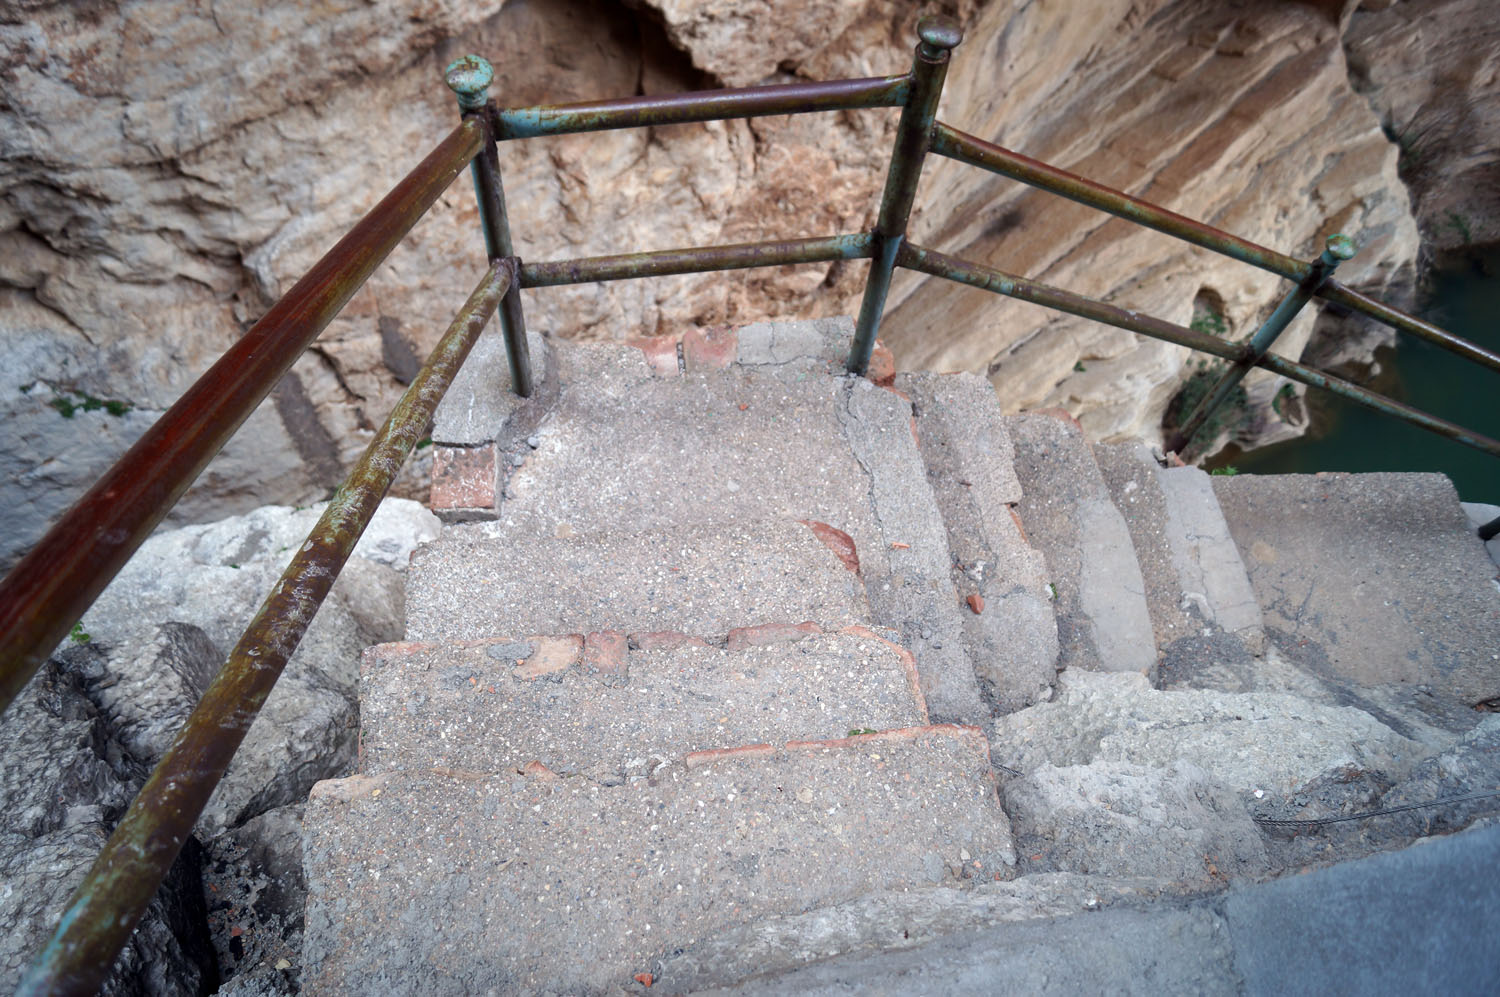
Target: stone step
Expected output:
[747,432]
[1103,623]
[1009,630]
[700,578]
[1203,609]
[616,708]
[1375,584]
[435,884]
[1421,920]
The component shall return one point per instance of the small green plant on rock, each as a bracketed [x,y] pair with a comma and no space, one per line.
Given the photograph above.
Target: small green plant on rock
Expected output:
[72,402]
[77,634]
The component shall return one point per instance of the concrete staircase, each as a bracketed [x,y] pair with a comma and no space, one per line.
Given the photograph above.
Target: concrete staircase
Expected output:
[715,636]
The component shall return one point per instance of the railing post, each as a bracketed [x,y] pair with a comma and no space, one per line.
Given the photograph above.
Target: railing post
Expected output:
[469,78]
[939,35]
[1339,248]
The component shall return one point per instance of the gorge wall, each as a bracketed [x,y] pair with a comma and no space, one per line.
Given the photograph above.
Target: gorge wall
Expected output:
[167,169]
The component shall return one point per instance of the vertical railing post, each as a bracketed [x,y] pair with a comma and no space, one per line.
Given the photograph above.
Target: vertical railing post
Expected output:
[1339,248]
[469,78]
[939,35]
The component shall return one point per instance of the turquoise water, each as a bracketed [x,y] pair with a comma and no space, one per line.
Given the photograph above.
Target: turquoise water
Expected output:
[1349,437]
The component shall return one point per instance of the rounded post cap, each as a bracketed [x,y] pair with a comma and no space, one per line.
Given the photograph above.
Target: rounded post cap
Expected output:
[469,78]
[1340,247]
[939,33]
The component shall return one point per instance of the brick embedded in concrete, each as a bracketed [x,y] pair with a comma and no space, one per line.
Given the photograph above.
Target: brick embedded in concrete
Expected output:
[712,348]
[463,477]
[770,633]
[660,352]
[606,655]
[551,655]
[664,640]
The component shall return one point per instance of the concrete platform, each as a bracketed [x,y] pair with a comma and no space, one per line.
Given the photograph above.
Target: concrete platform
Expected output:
[1421,920]
[432,884]
[494,706]
[698,578]
[1370,581]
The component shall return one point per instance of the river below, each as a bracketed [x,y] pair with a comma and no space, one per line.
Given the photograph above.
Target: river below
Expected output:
[1464,300]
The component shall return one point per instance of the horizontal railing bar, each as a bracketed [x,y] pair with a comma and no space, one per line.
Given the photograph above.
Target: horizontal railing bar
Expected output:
[699,105]
[48,591]
[108,903]
[965,148]
[977,275]
[1381,403]
[1342,294]
[667,262]
[937,264]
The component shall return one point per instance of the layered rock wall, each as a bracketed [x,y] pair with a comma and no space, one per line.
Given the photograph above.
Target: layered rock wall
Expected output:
[167,170]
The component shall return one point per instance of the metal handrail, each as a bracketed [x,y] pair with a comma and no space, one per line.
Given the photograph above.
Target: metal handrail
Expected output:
[57,581]
[106,906]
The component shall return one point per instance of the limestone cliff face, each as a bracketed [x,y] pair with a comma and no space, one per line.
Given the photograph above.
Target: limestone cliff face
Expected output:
[166,170]
[1431,70]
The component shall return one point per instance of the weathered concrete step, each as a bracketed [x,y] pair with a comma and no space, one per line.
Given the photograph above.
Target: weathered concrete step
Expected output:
[1009,629]
[1103,623]
[616,708]
[1373,582]
[625,450]
[700,578]
[1421,920]
[438,885]
[1202,606]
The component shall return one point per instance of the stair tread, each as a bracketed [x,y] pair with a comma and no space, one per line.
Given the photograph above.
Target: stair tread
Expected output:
[1010,631]
[434,884]
[1198,592]
[699,578]
[1103,623]
[469,707]
[1370,579]
[625,450]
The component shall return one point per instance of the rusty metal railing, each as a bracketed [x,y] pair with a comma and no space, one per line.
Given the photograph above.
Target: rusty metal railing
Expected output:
[887,247]
[58,580]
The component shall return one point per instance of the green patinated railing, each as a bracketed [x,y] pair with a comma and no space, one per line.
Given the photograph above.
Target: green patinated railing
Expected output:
[59,579]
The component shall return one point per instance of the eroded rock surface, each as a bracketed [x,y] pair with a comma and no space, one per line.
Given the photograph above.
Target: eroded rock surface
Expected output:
[1430,69]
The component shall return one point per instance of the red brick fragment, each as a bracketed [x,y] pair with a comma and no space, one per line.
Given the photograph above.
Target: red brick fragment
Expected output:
[976,603]
[463,477]
[664,640]
[605,655]
[534,769]
[908,663]
[962,732]
[697,758]
[1016,518]
[645,979]
[551,655]
[770,633]
[882,369]
[661,354]
[712,348]
[836,540]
